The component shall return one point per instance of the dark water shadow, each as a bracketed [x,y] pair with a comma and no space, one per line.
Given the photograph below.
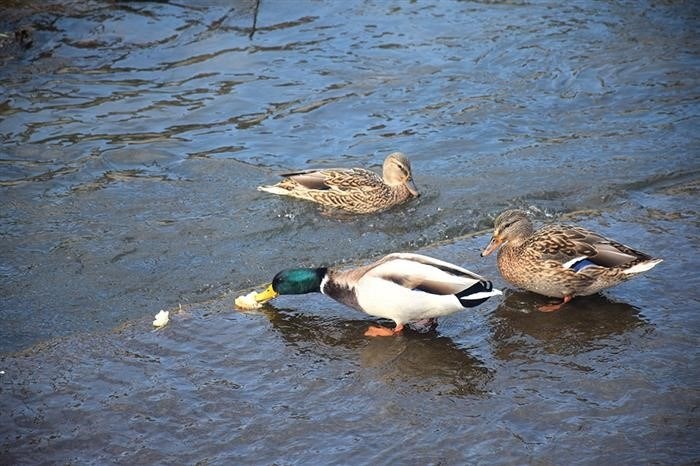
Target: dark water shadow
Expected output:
[414,360]
[584,324]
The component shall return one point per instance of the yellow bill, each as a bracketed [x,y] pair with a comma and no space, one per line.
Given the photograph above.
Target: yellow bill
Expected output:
[265,296]
[254,300]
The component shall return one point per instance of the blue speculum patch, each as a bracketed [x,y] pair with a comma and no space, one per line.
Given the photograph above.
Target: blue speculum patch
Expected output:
[580,265]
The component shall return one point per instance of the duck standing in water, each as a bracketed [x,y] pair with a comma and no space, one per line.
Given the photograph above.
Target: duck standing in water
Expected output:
[354,190]
[402,287]
[561,261]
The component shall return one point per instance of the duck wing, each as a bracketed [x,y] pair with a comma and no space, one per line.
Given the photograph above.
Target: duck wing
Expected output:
[423,273]
[576,247]
[340,179]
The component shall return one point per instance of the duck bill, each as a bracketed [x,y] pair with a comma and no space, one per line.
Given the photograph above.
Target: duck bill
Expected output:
[411,186]
[265,296]
[492,246]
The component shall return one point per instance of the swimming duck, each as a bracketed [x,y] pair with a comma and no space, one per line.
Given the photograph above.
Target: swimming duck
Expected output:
[355,190]
[561,261]
[403,287]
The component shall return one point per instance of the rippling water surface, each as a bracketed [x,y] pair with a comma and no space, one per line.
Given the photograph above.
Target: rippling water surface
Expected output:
[133,135]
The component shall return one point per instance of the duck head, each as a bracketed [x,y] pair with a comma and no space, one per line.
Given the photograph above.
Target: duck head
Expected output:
[396,171]
[293,281]
[510,226]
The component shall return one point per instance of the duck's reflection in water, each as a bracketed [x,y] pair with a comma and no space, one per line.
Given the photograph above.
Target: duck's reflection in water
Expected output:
[413,360]
[584,324]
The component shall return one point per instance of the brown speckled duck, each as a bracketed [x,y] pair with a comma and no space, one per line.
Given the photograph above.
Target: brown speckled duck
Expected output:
[561,261]
[354,190]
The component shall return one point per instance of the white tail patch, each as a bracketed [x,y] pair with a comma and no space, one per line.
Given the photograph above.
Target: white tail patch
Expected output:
[273,190]
[642,267]
[483,294]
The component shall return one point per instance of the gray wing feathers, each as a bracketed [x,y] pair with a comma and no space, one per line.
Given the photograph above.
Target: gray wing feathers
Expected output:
[608,255]
[441,265]
[310,179]
[417,272]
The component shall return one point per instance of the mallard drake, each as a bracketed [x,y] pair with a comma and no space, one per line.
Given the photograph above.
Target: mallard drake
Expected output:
[402,287]
[355,190]
[561,261]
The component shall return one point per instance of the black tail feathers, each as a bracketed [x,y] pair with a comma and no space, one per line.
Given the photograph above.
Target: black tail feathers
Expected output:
[478,287]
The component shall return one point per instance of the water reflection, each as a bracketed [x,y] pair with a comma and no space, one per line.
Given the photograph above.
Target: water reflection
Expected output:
[427,362]
[413,361]
[584,324]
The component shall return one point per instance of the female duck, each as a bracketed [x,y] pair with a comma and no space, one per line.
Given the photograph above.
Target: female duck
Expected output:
[402,287]
[561,261]
[355,190]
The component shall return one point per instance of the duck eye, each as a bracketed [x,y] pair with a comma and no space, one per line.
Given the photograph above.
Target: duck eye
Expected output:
[508,225]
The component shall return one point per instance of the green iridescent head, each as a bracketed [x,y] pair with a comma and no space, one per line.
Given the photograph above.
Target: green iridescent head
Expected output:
[293,281]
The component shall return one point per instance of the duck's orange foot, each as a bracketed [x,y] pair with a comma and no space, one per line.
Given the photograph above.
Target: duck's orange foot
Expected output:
[554,307]
[382,331]
[550,307]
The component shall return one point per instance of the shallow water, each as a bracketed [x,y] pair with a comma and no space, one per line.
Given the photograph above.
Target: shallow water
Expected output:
[133,135]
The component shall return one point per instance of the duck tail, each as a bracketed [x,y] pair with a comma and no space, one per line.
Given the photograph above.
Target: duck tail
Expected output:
[476,294]
[274,189]
[642,267]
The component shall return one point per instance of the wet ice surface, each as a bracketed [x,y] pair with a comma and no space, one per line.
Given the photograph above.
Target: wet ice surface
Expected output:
[133,135]
[611,376]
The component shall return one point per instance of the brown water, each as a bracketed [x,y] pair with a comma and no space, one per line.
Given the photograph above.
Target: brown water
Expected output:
[133,134]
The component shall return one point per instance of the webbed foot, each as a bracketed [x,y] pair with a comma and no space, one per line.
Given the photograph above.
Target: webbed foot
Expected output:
[374,331]
[554,307]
